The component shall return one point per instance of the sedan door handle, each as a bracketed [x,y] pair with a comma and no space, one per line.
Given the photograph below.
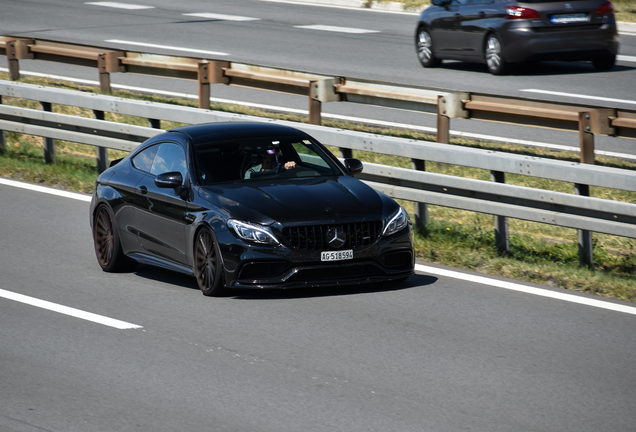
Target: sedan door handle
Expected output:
[482,14]
[458,16]
[143,190]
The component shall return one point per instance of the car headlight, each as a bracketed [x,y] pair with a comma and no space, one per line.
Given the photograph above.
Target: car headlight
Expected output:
[253,232]
[396,222]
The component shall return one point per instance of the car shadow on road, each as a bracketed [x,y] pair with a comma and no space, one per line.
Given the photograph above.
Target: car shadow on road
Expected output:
[181,280]
[536,68]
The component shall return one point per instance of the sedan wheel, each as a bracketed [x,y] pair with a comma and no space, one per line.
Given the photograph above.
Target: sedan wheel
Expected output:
[107,245]
[605,63]
[207,263]
[424,46]
[494,56]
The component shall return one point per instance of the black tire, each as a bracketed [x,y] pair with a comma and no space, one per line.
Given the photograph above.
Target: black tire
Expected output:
[108,250]
[208,269]
[493,54]
[604,63]
[424,48]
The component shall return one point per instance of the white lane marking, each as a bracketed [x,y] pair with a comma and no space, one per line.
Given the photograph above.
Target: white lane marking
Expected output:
[579,96]
[119,5]
[525,289]
[221,17]
[48,190]
[626,58]
[77,313]
[336,29]
[334,116]
[167,47]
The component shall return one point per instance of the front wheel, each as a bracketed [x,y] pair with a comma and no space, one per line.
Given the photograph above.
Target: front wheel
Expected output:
[494,56]
[207,263]
[424,46]
[108,250]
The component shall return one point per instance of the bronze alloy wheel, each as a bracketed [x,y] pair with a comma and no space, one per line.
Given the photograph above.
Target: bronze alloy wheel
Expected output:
[103,237]
[107,246]
[207,263]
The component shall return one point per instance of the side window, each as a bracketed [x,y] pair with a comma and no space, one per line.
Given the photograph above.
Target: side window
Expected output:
[170,157]
[143,161]
[308,156]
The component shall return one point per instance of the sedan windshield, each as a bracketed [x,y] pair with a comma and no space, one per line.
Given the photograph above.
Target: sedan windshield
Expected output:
[261,159]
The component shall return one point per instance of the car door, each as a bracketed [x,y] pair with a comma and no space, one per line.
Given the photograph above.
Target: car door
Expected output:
[447,34]
[477,16]
[160,213]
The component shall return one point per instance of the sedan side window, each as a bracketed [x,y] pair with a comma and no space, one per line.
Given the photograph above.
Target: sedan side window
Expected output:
[143,161]
[170,157]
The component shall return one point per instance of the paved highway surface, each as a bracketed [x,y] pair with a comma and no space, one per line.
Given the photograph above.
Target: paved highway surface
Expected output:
[82,350]
[334,41]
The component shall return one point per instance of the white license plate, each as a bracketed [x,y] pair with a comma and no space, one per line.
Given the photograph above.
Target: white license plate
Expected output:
[336,255]
[569,18]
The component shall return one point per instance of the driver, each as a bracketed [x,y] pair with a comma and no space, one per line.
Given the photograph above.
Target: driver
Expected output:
[269,162]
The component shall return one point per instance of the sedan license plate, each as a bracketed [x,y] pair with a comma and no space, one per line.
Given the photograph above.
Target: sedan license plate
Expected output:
[336,255]
[576,18]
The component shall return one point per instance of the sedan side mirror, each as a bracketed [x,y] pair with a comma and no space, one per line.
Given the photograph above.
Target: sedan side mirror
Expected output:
[441,2]
[169,180]
[354,166]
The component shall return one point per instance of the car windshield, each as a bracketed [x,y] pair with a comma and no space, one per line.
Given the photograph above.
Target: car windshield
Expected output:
[261,159]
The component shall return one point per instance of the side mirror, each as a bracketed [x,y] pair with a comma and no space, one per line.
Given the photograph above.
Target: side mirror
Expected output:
[354,166]
[169,180]
[441,2]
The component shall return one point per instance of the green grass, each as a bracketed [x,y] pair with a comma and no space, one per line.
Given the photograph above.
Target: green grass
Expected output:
[540,253]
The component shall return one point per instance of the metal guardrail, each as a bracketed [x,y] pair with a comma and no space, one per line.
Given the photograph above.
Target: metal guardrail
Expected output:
[586,119]
[567,210]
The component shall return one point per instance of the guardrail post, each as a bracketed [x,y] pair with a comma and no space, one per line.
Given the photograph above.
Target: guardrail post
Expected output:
[104,75]
[421,209]
[154,123]
[204,85]
[12,59]
[102,152]
[49,143]
[502,238]
[586,140]
[443,123]
[315,111]
[3,137]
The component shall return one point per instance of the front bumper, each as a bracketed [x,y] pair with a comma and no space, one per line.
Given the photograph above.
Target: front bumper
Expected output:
[258,267]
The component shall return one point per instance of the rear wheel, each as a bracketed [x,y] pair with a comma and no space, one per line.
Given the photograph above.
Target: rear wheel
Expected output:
[604,63]
[494,56]
[108,250]
[207,263]
[424,46]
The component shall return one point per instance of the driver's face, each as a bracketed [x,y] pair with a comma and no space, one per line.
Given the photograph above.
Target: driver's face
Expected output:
[268,161]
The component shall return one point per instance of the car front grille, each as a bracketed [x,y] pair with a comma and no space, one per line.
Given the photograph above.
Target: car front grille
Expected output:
[314,237]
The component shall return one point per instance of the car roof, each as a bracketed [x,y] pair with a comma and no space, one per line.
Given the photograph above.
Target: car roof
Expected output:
[207,132]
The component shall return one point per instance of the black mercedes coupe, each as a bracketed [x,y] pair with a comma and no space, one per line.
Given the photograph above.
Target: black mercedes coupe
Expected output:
[247,205]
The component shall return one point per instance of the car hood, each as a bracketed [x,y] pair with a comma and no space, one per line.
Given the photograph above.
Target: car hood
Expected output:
[324,199]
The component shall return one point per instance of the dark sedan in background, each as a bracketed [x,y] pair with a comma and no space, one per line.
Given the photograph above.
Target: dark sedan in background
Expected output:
[503,32]
[248,205]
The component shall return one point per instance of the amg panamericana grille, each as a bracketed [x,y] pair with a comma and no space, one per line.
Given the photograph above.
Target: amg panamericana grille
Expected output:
[314,237]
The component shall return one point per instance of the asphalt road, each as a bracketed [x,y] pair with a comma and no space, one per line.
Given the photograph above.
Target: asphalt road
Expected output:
[276,34]
[435,353]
